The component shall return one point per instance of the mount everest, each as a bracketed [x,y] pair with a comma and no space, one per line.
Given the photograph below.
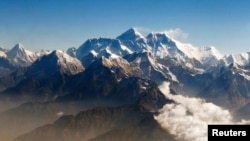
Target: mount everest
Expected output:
[108,72]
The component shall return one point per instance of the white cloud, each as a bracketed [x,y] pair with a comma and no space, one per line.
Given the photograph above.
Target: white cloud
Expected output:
[144,30]
[188,118]
[176,33]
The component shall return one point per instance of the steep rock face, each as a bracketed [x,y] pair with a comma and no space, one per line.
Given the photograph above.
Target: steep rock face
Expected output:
[66,63]
[163,46]
[55,62]
[89,59]
[133,40]
[146,66]
[108,79]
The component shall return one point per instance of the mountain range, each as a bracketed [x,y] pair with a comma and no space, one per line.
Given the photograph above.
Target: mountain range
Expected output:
[107,87]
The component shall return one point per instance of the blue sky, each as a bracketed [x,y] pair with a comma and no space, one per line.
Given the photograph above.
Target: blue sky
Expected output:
[59,24]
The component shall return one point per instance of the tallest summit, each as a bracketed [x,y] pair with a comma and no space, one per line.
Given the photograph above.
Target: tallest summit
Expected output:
[131,34]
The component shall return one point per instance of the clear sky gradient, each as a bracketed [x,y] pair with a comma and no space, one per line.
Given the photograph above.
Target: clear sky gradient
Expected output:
[60,24]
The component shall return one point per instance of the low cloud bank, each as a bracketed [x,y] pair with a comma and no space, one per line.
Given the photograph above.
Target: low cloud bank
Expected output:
[188,118]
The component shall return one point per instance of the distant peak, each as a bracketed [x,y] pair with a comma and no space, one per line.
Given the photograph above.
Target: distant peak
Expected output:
[158,34]
[131,34]
[57,52]
[18,46]
[134,31]
[61,55]
[162,37]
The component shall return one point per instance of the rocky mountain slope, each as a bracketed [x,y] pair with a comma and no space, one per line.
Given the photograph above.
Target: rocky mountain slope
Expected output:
[105,79]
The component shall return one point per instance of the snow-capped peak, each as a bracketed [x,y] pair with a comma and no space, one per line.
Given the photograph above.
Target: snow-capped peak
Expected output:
[163,46]
[131,34]
[18,49]
[159,37]
[240,59]
[208,55]
[210,50]
[19,46]
[67,63]
[159,44]
[19,55]
[61,54]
